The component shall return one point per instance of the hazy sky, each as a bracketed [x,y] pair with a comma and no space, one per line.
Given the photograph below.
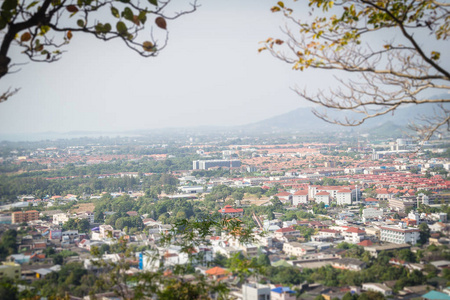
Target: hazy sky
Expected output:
[210,74]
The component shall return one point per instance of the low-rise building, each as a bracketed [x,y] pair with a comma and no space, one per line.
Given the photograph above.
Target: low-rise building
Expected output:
[371,213]
[251,291]
[282,293]
[377,287]
[399,234]
[230,212]
[10,270]
[347,263]
[60,219]
[297,249]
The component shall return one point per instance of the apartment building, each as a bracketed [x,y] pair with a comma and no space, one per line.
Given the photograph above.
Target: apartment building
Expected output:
[24,217]
[399,234]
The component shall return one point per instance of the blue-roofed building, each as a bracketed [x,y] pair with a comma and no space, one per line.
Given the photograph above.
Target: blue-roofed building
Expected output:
[435,295]
[282,293]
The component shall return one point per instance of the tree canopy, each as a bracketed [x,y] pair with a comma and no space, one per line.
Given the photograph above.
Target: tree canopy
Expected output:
[42,28]
[352,36]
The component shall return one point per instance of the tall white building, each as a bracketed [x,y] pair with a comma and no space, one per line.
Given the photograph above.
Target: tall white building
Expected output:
[300,197]
[323,197]
[344,197]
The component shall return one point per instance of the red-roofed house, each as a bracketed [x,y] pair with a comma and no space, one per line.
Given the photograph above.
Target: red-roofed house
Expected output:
[231,212]
[365,243]
[384,194]
[285,232]
[329,232]
[353,235]
[371,201]
[217,273]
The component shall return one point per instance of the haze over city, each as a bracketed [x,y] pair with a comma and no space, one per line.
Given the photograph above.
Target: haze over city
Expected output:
[210,74]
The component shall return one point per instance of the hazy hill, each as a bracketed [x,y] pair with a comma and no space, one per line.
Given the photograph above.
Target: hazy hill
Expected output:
[302,119]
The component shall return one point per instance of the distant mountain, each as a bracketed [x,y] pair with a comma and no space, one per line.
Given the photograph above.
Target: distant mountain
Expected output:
[303,120]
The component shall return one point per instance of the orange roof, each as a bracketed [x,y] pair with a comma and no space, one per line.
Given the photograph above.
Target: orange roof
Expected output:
[229,209]
[322,194]
[216,271]
[355,230]
[301,193]
[365,243]
[371,200]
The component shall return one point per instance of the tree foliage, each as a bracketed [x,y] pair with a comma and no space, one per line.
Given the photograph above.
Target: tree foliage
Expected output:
[339,35]
[42,28]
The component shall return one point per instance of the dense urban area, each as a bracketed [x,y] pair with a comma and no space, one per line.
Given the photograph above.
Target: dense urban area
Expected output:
[223,216]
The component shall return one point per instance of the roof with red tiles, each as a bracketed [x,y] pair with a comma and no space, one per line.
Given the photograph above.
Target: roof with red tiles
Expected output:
[228,209]
[301,193]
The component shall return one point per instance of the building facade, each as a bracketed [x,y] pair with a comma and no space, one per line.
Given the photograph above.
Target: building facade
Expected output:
[24,217]
[206,164]
[399,234]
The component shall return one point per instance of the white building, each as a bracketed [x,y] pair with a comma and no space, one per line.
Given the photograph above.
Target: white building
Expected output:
[60,219]
[371,213]
[354,235]
[251,291]
[344,197]
[323,197]
[377,287]
[300,197]
[297,249]
[399,234]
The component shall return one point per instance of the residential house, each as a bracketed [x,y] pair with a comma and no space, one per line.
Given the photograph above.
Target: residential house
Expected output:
[347,263]
[354,235]
[377,287]
[230,212]
[282,293]
[286,233]
[297,249]
[217,273]
[255,291]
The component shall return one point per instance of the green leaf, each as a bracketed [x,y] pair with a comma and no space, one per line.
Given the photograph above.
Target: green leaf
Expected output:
[44,29]
[80,23]
[32,4]
[121,28]
[127,14]
[115,12]
[142,16]
[154,2]
[2,23]
[107,28]
[9,5]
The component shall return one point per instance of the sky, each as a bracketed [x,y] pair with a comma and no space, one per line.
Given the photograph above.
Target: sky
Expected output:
[210,74]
